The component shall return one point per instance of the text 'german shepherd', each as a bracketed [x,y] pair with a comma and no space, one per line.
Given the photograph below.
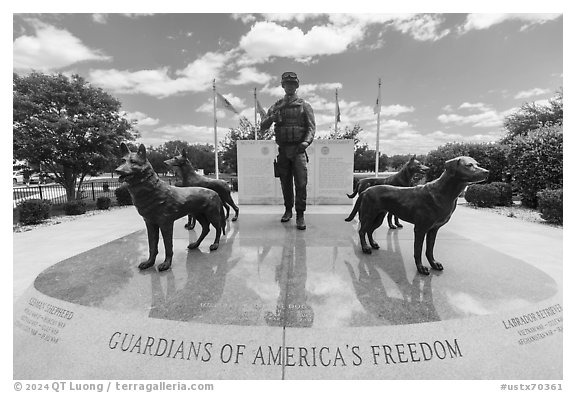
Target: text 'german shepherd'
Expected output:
[428,207]
[160,204]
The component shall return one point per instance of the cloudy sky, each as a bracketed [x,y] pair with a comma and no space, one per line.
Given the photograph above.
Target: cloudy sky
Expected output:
[445,77]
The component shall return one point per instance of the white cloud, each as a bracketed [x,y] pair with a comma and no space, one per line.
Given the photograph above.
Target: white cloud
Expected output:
[196,77]
[287,17]
[531,93]
[405,139]
[141,118]
[480,106]
[476,115]
[330,34]
[484,119]
[185,132]
[251,75]
[245,18]
[51,49]
[424,27]
[267,39]
[100,18]
[485,21]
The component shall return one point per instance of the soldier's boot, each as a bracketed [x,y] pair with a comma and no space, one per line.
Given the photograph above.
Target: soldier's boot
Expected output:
[287,215]
[300,223]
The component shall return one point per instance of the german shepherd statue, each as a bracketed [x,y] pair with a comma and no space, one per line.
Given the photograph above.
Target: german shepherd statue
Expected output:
[427,206]
[401,179]
[160,204]
[191,179]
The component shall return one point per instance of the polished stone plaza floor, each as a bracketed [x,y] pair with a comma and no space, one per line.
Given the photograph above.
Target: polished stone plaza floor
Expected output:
[274,302]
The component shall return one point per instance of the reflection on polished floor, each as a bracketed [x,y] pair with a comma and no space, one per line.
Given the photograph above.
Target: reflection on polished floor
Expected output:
[270,274]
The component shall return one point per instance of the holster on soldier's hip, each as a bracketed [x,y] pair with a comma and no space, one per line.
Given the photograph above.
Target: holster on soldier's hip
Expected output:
[276,169]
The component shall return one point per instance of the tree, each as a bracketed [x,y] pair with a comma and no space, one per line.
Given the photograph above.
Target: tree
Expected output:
[532,116]
[67,126]
[365,159]
[156,157]
[244,132]
[491,156]
[348,133]
[536,162]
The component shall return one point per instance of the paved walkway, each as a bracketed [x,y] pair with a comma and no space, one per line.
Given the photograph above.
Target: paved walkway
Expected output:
[33,251]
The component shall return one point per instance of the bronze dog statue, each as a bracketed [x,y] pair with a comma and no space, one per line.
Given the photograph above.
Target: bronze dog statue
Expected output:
[428,206]
[191,179]
[160,204]
[401,179]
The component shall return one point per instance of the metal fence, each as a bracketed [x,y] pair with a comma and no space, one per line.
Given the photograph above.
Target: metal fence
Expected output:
[57,193]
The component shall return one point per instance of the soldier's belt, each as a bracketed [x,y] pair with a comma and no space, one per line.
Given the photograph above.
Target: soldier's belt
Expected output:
[290,134]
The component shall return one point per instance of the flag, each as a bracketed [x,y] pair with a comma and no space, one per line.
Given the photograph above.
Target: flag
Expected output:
[337,108]
[378,101]
[260,110]
[224,103]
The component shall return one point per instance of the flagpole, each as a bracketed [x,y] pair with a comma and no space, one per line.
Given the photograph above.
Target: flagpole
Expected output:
[336,115]
[255,116]
[378,130]
[215,130]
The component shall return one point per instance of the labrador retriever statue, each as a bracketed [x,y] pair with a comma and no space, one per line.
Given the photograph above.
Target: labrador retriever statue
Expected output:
[427,206]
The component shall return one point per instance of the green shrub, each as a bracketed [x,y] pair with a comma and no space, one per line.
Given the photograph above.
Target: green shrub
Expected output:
[550,205]
[103,203]
[491,156]
[505,193]
[34,211]
[74,208]
[536,161]
[482,195]
[123,196]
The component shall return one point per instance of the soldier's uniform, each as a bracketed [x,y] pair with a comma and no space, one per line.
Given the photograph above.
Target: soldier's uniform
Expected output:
[294,131]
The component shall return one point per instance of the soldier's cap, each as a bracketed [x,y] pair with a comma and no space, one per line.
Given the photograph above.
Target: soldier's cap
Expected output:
[290,77]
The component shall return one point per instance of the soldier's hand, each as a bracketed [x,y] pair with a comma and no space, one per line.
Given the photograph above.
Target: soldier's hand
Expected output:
[276,116]
[302,147]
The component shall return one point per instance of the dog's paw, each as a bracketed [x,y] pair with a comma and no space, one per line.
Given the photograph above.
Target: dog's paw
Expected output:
[234,218]
[392,226]
[423,270]
[400,225]
[214,246]
[348,219]
[146,265]
[193,246]
[366,250]
[375,245]
[164,266]
[436,265]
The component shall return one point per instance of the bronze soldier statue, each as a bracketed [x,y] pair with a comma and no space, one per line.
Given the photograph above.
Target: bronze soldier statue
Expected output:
[294,128]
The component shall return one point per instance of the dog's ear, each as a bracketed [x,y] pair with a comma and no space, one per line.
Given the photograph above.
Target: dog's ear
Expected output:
[453,163]
[413,157]
[176,151]
[124,149]
[142,151]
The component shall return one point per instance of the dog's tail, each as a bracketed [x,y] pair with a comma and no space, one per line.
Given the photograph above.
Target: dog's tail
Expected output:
[355,209]
[354,192]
